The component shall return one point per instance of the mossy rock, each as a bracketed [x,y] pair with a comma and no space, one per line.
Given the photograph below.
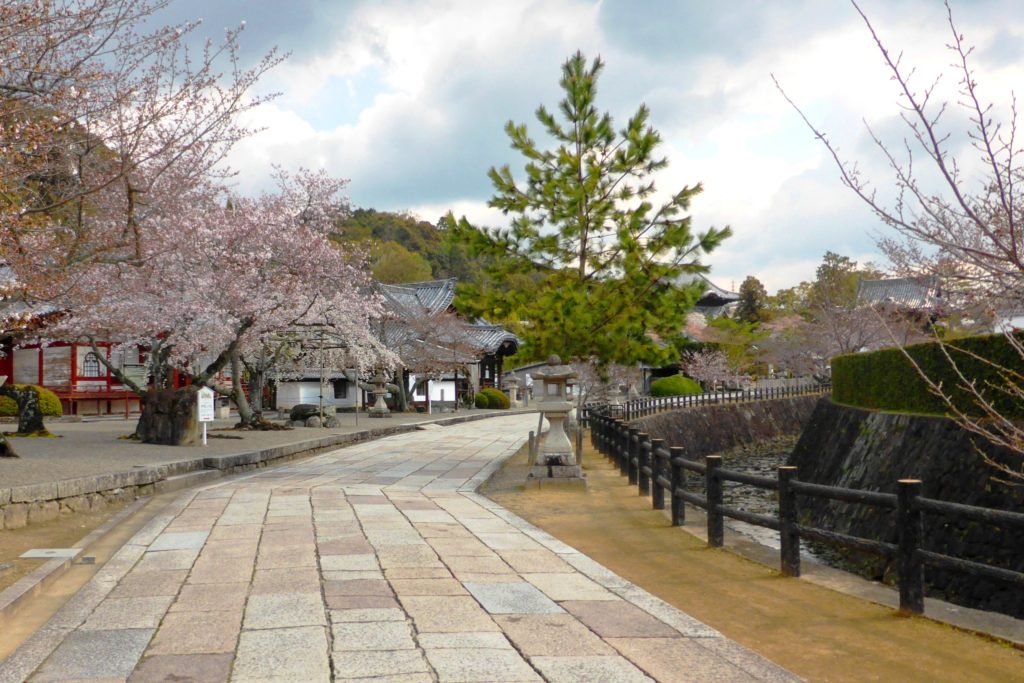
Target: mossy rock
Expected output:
[49,404]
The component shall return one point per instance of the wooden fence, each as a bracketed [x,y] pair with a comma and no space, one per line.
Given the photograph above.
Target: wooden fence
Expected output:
[659,470]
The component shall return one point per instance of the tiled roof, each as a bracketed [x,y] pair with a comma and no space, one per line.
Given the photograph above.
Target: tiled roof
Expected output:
[915,293]
[713,297]
[421,298]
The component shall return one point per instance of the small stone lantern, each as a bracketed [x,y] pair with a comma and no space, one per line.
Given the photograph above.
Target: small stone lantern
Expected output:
[511,382]
[380,389]
[556,459]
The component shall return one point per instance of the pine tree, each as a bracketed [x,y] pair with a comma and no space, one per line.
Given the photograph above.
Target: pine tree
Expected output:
[583,216]
[753,301]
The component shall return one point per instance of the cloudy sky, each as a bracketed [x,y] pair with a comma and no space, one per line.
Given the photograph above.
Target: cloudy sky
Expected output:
[408,100]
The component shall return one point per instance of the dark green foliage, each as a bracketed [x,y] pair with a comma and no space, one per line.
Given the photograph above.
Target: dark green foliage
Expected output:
[676,385]
[583,219]
[886,380]
[49,404]
[496,399]
[753,301]
[481,401]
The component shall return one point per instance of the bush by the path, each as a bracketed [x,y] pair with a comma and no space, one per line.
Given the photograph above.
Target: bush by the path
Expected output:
[676,385]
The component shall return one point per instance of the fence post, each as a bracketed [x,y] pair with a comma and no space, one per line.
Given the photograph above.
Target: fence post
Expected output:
[643,456]
[623,452]
[678,484]
[911,529]
[657,470]
[529,453]
[631,455]
[713,486]
[788,534]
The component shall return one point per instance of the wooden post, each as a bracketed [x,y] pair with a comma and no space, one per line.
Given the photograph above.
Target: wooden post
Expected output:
[713,486]
[658,470]
[678,477]
[788,534]
[631,455]
[643,456]
[911,530]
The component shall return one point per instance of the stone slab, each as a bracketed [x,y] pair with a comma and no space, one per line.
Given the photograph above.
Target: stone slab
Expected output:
[298,654]
[199,668]
[618,619]
[378,666]
[95,654]
[666,658]
[512,598]
[574,669]
[384,635]
[551,635]
[280,610]
[182,540]
[483,666]
[50,553]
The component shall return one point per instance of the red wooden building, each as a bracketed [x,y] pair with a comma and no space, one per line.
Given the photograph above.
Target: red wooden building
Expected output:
[74,372]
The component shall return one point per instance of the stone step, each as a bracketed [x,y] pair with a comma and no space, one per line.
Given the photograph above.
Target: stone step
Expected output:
[186,480]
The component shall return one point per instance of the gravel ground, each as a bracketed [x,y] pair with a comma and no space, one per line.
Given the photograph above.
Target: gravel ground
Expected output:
[90,448]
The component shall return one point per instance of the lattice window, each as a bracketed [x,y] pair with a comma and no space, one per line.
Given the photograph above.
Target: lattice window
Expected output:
[91,366]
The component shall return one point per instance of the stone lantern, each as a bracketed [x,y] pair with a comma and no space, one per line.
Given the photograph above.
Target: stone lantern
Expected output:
[380,389]
[511,382]
[556,459]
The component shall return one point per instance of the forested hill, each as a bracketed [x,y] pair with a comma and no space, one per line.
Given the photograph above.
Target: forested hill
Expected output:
[404,248]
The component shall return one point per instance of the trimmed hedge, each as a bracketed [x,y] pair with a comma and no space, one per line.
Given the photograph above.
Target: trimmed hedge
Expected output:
[49,404]
[676,385]
[481,401]
[496,399]
[886,380]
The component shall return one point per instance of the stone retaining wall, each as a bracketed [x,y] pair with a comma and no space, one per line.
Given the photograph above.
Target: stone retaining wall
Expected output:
[711,429]
[871,450]
[43,502]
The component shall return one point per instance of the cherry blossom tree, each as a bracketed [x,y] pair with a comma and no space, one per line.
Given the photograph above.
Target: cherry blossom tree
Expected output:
[707,366]
[99,115]
[216,277]
[956,214]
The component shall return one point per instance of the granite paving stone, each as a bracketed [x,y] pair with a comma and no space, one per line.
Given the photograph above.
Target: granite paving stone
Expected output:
[184,633]
[193,668]
[618,619]
[675,660]
[126,613]
[179,541]
[377,666]
[211,597]
[279,610]
[575,669]
[512,598]
[95,655]
[285,654]
[383,635]
[551,635]
[483,666]
[378,559]
[572,586]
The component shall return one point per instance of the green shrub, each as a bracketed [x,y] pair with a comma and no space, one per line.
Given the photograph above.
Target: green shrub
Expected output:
[676,385]
[496,399]
[481,401]
[49,404]
[886,380]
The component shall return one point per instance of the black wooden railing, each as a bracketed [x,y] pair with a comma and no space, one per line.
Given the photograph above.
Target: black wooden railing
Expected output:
[657,470]
[649,405]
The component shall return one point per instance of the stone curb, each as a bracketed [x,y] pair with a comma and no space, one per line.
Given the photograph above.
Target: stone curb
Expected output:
[34,581]
[41,502]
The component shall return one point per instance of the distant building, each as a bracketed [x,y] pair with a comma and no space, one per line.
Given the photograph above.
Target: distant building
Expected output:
[905,293]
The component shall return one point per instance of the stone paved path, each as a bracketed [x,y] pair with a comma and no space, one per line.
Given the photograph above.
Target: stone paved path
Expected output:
[375,562]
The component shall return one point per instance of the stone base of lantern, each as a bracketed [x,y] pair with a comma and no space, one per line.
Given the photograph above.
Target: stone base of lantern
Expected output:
[557,476]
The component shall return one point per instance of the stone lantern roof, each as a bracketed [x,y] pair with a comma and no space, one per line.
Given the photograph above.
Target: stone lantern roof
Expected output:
[555,371]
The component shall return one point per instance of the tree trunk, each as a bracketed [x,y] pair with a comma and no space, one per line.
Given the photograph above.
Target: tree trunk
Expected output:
[30,415]
[169,417]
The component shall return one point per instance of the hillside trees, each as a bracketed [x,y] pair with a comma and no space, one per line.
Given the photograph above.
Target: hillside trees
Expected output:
[583,217]
[959,210]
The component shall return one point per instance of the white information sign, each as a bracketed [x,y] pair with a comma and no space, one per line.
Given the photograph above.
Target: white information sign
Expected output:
[206,402]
